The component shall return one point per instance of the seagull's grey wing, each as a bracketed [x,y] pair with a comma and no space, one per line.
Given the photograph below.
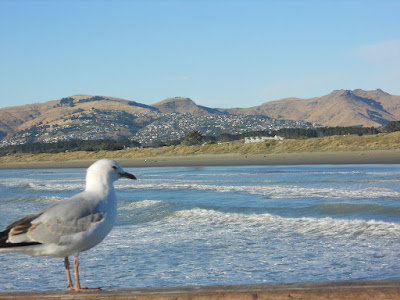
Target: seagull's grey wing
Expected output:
[62,219]
[25,222]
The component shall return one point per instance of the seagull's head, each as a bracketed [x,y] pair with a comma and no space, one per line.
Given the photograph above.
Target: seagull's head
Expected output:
[106,170]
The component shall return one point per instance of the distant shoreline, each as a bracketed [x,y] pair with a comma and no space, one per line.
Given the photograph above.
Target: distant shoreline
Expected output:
[295,158]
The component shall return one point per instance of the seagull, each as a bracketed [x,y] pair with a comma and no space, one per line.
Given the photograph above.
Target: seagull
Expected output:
[70,226]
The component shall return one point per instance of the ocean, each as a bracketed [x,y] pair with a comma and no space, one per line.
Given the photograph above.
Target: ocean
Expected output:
[181,226]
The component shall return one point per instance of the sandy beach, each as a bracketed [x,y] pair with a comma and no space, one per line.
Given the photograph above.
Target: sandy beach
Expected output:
[295,158]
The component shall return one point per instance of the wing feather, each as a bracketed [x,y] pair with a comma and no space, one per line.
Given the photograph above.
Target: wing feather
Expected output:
[61,219]
[54,229]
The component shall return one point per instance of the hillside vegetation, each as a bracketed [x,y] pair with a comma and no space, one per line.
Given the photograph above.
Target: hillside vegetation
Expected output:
[383,141]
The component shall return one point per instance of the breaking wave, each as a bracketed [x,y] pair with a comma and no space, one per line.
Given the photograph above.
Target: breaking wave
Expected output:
[276,191]
[267,223]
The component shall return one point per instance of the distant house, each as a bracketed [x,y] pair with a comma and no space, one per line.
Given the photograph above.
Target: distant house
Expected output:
[256,139]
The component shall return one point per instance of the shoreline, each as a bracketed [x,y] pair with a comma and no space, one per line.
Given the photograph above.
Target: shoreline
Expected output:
[233,159]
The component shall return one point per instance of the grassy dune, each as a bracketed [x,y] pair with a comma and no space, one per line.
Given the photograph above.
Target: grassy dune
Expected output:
[384,141]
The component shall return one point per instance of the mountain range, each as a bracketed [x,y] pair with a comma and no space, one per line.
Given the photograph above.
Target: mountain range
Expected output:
[55,118]
[339,108]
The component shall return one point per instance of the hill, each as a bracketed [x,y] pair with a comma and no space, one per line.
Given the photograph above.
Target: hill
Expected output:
[90,117]
[184,105]
[57,112]
[339,108]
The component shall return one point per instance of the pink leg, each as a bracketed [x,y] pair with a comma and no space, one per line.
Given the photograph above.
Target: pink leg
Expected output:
[78,287]
[66,264]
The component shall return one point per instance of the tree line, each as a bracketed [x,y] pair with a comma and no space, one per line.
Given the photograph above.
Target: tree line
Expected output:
[75,145]
[195,137]
[392,126]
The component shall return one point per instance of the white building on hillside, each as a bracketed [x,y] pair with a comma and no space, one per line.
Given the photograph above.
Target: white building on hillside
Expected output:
[256,139]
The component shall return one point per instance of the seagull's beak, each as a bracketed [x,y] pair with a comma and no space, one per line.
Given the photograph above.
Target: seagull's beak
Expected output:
[127,175]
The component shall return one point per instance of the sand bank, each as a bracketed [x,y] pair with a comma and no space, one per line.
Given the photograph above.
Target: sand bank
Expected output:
[384,289]
[298,158]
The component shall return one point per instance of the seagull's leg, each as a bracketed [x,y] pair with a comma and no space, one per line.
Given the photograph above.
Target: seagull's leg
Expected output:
[78,287]
[66,264]
[76,270]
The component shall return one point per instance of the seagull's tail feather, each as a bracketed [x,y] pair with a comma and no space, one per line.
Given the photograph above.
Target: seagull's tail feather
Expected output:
[3,238]
[7,246]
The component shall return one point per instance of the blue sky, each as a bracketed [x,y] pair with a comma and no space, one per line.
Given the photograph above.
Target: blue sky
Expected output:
[218,53]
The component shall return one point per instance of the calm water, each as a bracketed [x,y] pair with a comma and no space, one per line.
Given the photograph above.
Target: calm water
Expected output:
[221,225]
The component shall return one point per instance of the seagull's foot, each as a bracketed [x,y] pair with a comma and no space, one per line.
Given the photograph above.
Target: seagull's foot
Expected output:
[83,289]
[86,289]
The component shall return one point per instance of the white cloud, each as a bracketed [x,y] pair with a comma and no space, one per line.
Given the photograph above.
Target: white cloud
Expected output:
[381,53]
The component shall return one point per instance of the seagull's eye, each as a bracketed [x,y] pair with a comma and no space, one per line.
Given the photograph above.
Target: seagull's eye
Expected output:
[114,167]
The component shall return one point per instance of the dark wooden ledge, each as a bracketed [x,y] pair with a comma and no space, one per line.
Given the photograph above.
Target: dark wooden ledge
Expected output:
[383,289]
